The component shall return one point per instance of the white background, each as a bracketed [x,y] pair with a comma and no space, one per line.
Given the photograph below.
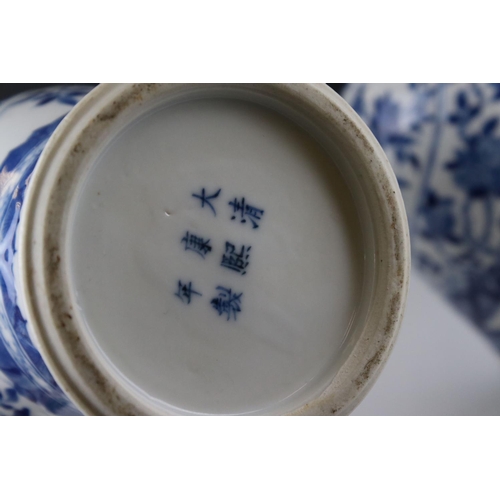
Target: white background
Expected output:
[431,370]
[440,365]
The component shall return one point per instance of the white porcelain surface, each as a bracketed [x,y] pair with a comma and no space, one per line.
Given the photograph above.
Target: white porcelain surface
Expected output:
[130,321]
[301,276]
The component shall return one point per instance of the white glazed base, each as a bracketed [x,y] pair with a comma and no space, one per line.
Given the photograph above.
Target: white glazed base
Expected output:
[106,266]
[300,289]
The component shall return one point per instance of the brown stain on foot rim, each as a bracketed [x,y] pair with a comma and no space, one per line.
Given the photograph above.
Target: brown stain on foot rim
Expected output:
[376,359]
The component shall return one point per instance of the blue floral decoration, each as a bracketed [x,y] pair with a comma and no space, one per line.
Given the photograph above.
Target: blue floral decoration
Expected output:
[64,95]
[444,144]
[26,385]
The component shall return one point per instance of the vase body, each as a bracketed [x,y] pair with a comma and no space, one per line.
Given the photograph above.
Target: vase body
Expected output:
[443,141]
[26,123]
[47,329]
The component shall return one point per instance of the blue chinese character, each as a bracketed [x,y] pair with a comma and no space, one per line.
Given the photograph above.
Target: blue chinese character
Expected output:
[196,244]
[184,292]
[236,261]
[205,198]
[227,302]
[245,210]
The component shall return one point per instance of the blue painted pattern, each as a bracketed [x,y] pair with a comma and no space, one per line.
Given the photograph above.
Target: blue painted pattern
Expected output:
[444,144]
[26,385]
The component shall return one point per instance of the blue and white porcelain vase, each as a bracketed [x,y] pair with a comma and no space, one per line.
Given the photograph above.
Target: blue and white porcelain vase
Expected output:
[443,141]
[26,123]
[123,287]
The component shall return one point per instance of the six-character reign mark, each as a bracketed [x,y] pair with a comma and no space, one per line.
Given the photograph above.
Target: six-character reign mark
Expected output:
[185,291]
[227,302]
[246,211]
[197,244]
[205,199]
[236,261]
